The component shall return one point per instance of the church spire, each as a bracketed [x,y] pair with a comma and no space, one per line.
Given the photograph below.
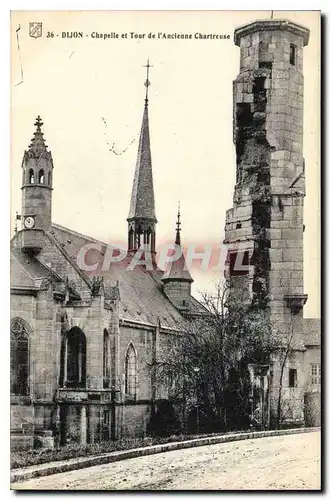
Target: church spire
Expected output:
[141,218]
[178,229]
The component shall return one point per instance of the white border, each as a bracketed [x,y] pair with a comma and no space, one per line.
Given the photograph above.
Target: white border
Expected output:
[5,8]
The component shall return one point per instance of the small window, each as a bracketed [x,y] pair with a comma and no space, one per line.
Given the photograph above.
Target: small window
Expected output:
[292,377]
[238,225]
[41,176]
[315,373]
[49,178]
[106,364]
[31,176]
[106,419]
[292,54]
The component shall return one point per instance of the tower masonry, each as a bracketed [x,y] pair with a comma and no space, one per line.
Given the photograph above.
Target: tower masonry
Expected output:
[266,221]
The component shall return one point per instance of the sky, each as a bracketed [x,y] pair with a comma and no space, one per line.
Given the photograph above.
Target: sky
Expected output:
[90,95]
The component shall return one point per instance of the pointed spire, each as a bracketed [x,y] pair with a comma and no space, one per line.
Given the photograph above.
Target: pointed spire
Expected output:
[38,145]
[178,229]
[142,198]
[178,270]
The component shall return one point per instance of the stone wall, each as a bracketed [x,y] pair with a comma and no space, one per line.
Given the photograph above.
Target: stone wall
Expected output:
[142,341]
[133,420]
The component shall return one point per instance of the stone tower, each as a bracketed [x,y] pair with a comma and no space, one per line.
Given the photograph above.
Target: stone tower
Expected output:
[177,280]
[141,218]
[266,221]
[37,167]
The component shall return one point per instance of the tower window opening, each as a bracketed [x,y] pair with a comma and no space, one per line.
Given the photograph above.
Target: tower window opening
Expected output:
[31,176]
[292,377]
[244,115]
[266,65]
[49,178]
[293,54]
[238,225]
[258,84]
[239,263]
[41,178]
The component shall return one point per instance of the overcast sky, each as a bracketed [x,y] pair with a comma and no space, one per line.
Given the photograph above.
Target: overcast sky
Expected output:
[90,94]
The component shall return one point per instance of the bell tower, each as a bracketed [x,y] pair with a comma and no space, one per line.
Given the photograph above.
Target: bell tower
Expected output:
[37,180]
[141,219]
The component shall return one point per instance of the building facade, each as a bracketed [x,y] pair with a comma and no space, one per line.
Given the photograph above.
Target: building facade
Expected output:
[265,226]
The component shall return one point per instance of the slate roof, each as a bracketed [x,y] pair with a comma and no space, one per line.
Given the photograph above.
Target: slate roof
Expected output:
[142,198]
[141,294]
[312,331]
[27,272]
[177,269]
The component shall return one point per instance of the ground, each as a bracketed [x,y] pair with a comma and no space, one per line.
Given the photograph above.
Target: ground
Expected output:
[282,462]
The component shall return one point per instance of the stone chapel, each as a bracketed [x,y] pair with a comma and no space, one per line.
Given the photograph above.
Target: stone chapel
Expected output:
[81,344]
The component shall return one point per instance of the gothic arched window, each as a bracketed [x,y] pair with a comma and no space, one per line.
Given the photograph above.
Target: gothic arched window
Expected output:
[106,360]
[73,359]
[31,176]
[19,358]
[131,372]
[41,179]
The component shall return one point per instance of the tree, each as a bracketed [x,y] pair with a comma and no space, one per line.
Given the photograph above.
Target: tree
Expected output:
[207,365]
[284,353]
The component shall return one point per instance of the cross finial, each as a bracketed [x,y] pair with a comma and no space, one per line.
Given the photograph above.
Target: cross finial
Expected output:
[147,82]
[178,224]
[38,122]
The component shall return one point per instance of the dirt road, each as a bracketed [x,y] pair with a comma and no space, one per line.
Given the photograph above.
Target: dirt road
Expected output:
[283,462]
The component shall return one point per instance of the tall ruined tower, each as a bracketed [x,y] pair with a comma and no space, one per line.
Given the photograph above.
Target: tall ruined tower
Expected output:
[37,167]
[266,220]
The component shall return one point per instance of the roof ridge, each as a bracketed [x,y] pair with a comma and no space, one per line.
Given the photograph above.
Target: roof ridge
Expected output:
[50,270]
